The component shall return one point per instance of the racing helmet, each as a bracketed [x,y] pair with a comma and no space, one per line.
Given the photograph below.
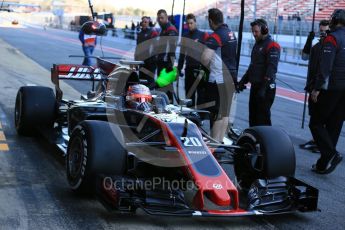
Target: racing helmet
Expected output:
[138,93]
[94,28]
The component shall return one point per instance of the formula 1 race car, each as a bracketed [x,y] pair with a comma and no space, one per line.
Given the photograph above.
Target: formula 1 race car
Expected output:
[159,158]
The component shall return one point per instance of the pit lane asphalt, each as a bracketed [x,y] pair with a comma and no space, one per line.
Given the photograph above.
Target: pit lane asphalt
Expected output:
[33,189]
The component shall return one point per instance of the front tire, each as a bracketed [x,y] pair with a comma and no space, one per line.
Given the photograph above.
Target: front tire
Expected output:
[267,153]
[95,147]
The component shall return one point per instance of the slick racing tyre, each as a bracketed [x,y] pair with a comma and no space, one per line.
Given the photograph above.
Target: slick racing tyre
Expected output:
[267,153]
[35,107]
[95,147]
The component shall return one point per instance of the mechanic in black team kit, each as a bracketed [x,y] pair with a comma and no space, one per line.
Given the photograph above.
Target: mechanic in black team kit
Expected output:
[166,48]
[329,96]
[219,57]
[190,55]
[313,54]
[261,74]
[144,50]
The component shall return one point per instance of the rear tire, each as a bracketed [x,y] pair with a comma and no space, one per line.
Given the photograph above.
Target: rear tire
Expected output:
[35,107]
[269,154]
[95,147]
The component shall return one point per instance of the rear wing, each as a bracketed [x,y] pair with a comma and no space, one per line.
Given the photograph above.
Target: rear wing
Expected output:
[85,73]
[73,72]
[80,73]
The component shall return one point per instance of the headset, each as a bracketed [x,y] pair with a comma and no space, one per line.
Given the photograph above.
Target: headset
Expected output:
[263,25]
[337,17]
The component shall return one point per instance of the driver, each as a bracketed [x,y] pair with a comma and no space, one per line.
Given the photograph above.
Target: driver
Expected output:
[139,97]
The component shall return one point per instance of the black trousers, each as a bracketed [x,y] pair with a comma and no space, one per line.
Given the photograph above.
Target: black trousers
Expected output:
[260,102]
[329,125]
[326,122]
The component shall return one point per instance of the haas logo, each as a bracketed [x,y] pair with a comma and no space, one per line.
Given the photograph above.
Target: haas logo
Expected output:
[217,186]
[81,73]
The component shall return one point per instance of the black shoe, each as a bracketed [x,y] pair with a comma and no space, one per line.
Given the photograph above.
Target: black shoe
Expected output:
[331,165]
[310,145]
[316,170]
[315,150]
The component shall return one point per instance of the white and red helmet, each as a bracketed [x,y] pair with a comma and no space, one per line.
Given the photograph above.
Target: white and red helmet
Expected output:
[138,93]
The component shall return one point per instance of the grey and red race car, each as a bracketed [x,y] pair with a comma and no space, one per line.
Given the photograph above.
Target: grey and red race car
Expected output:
[161,159]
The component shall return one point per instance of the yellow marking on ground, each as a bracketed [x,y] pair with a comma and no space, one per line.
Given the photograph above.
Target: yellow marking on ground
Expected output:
[4,147]
[2,136]
[10,25]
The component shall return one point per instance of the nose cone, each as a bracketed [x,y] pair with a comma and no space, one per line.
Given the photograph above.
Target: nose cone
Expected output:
[219,196]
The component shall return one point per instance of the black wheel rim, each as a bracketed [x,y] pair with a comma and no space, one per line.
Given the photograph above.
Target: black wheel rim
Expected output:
[256,159]
[75,157]
[250,165]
